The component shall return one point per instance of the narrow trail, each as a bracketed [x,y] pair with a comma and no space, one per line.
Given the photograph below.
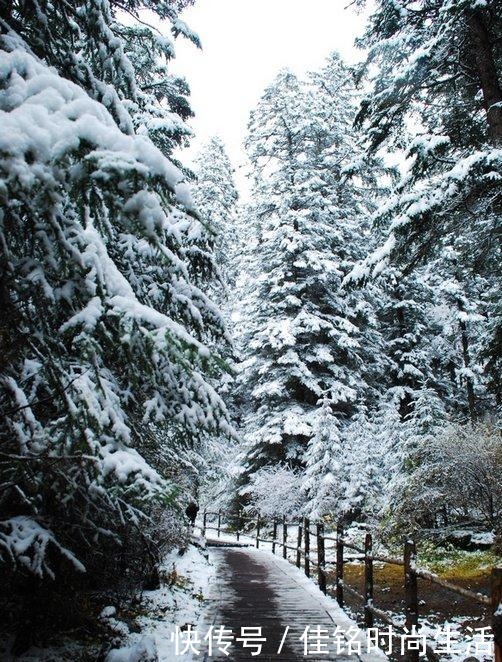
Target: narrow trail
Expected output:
[255,589]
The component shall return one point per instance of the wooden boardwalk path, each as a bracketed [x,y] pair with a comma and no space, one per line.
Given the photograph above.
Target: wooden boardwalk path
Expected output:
[255,589]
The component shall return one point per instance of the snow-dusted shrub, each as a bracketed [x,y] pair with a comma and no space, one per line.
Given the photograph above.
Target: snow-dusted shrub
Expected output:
[467,462]
[457,479]
[275,491]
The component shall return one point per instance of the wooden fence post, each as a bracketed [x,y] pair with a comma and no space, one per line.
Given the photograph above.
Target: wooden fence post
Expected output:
[497,613]
[274,536]
[238,525]
[306,536]
[411,595]
[368,580]
[284,538]
[204,522]
[219,522]
[299,546]
[321,569]
[339,564]
[258,531]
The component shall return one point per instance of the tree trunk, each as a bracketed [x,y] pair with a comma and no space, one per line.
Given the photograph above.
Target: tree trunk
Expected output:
[471,399]
[464,338]
[485,64]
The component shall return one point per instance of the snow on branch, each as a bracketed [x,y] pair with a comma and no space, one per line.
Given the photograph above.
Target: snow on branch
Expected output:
[25,542]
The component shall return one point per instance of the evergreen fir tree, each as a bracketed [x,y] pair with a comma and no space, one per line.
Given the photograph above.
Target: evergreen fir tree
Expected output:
[363,459]
[104,334]
[435,90]
[215,197]
[464,328]
[325,482]
[385,432]
[303,337]
[418,431]
[407,329]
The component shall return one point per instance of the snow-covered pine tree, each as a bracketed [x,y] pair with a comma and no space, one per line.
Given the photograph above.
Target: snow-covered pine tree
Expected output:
[215,198]
[408,330]
[354,182]
[407,505]
[363,460]
[463,330]
[326,478]
[384,438]
[436,90]
[303,335]
[103,334]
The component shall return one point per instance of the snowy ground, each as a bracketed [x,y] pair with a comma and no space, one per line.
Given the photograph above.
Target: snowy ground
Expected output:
[179,604]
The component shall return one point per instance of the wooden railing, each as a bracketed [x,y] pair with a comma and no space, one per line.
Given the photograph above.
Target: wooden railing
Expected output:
[306,558]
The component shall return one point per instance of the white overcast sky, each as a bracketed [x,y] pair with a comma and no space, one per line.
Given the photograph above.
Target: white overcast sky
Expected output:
[245,43]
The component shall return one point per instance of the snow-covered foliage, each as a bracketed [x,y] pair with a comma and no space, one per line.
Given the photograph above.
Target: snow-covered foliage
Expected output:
[353,361]
[433,71]
[457,473]
[216,235]
[105,335]
[302,342]
[215,196]
[275,491]
[325,478]
[406,439]
[363,300]
[185,583]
